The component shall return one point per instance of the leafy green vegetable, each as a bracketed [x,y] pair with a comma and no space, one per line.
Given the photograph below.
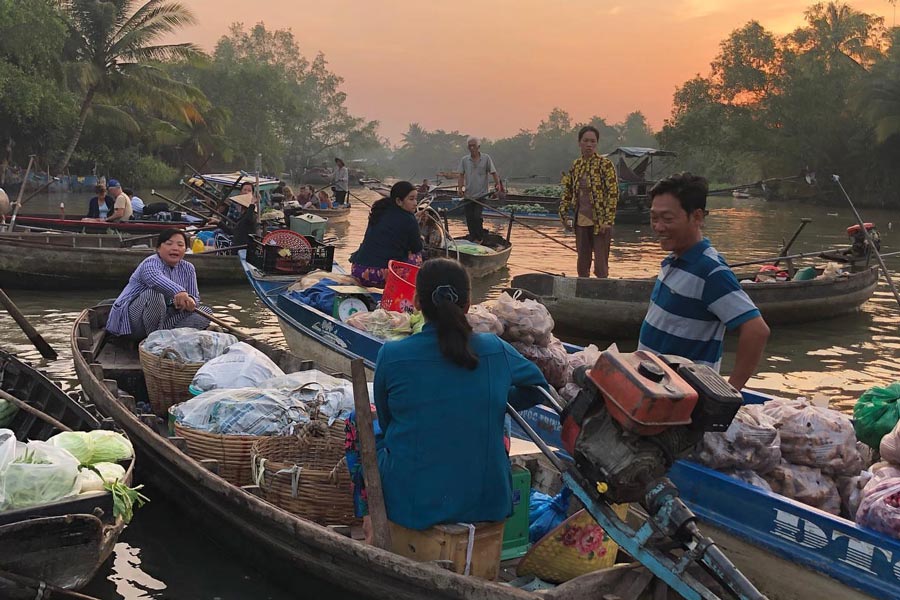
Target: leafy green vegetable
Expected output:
[40,473]
[124,499]
[79,444]
[110,447]
[8,412]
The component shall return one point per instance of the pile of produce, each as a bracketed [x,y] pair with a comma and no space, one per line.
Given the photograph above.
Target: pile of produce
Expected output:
[801,451]
[527,326]
[69,463]
[548,191]
[876,411]
[525,208]
[241,365]
[387,324]
[8,412]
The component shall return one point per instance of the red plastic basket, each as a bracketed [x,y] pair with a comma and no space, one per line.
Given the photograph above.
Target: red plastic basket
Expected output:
[399,287]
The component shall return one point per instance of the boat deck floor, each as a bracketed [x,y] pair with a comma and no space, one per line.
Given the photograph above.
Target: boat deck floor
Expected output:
[118,356]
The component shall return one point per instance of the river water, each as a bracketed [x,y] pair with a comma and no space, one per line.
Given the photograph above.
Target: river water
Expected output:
[162,556]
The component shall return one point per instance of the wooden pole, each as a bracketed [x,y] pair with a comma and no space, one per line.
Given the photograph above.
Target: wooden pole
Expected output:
[869,240]
[224,325]
[788,245]
[39,342]
[381,532]
[34,411]
[12,221]
[42,586]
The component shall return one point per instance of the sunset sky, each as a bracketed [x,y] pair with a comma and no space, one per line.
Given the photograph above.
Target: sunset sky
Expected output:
[493,67]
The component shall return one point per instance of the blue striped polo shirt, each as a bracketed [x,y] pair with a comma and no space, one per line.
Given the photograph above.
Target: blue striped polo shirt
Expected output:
[695,299]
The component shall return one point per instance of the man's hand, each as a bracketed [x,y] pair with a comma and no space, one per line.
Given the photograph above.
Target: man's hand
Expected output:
[568,224]
[183,301]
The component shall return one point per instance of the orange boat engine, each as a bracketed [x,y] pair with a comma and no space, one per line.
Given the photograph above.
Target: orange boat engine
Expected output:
[637,413]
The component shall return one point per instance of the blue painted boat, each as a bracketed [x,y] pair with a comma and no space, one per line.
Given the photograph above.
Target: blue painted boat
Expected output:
[786,548]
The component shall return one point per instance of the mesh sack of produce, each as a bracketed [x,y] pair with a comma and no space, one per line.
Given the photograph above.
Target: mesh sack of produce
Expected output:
[876,413]
[483,320]
[751,443]
[586,357]
[751,478]
[881,471]
[242,411]
[525,321]
[851,491]
[188,345]
[242,365]
[880,507]
[331,396]
[815,436]
[552,360]
[805,484]
[34,473]
[890,445]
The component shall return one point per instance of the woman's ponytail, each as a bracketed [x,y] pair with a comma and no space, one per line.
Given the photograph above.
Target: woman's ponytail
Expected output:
[443,290]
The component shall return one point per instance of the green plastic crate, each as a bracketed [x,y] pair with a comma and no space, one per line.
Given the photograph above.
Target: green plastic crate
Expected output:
[515,532]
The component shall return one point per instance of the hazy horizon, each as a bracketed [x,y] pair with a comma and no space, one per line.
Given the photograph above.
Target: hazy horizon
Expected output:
[494,67]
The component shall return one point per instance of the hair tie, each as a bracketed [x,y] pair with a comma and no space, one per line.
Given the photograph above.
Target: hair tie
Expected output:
[444,293]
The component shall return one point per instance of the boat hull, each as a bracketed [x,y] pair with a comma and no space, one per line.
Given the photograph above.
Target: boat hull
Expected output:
[334,215]
[47,262]
[79,226]
[615,308]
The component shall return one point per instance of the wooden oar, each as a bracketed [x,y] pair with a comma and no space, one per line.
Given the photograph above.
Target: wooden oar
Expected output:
[12,221]
[34,411]
[381,532]
[39,342]
[869,240]
[787,246]
[358,198]
[527,226]
[240,334]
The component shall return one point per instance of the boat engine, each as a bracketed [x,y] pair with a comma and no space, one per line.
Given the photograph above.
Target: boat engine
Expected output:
[636,414]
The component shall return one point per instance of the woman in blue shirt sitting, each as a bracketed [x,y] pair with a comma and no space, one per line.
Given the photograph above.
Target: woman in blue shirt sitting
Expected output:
[101,205]
[392,234]
[441,398]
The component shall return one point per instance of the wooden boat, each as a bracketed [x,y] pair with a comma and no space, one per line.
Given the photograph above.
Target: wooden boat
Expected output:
[789,549]
[287,547]
[62,543]
[341,214]
[478,265]
[49,261]
[78,226]
[615,308]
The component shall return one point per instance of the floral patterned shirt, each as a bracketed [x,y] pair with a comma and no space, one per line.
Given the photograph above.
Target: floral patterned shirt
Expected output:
[604,186]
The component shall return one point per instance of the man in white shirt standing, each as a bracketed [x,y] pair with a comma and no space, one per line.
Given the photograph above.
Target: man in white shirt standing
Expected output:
[473,173]
[122,209]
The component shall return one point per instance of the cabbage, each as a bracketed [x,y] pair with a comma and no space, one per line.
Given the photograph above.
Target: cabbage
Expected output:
[90,481]
[40,473]
[110,447]
[110,472]
[79,444]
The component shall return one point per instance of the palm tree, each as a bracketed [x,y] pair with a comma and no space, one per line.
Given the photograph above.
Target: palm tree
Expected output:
[117,63]
[841,34]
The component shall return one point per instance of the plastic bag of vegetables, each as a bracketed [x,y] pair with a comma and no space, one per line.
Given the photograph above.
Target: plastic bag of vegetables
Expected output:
[525,321]
[880,507]
[37,474]
[8,412]
[876,413]
[483,320]
[242,365]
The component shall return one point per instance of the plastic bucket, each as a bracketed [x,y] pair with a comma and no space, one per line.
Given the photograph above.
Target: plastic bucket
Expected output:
[399,287]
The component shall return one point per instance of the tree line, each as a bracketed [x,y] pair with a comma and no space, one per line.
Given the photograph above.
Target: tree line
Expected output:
[92,86]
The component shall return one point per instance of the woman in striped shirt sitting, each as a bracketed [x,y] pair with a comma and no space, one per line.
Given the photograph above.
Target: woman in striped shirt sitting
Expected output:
[161,293]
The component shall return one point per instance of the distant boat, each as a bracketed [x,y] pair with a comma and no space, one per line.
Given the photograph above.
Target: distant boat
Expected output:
[741,194]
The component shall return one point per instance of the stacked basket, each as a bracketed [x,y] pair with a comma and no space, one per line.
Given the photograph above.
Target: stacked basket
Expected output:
[306,474]
[167,379]
[232,452]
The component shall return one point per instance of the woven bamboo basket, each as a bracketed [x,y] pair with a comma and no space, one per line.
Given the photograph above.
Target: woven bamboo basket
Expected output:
[167,380]
[306,474]
[232,452]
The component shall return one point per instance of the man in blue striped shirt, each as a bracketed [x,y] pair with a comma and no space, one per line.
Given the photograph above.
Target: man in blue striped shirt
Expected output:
[697,296]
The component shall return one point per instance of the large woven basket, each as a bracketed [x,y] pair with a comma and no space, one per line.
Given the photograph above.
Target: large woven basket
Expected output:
[232,452]
[306,474]
[167,380]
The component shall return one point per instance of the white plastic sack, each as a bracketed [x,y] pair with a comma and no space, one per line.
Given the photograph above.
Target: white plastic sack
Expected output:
[814,436]
[890,445]
[751,442]
[807,485]
[333,397]
[525,321]
[186,344]
[242,411]
[242,365]
[483,320]
[880,507]
[38,474]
